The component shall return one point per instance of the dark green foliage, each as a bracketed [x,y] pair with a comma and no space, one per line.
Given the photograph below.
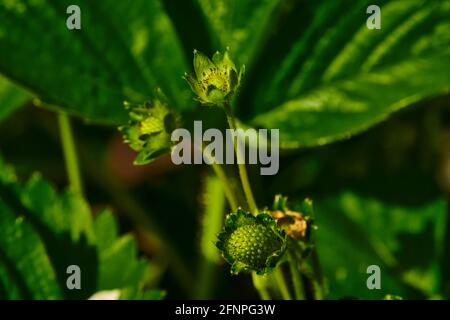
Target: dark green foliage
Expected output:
[363,118]
[42,233]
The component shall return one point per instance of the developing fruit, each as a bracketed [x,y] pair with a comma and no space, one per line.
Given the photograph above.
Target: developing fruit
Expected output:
[149,129]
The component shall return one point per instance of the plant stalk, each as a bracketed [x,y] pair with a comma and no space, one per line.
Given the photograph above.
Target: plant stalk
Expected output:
[218,170]
[296,277]
[214,206]
[260,285]
[70,154]
[242,169]
[281,283]
[220,173]
[318,281]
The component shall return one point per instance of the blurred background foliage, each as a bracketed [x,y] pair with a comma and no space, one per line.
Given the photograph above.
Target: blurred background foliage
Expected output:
[363,116]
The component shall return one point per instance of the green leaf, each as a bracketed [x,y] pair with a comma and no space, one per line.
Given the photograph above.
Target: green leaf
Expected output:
[122,52]
[43,232]
[106,230]
[406,243]
[113,251]
[8,288]
[22,254]
[114,273]
[340,78]
[11,97]
[338,110]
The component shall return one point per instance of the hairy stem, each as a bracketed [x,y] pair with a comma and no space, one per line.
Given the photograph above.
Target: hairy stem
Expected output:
[70,154]
[260,285]
[242,169]
[318,279]
[220,173]
[214,204]
[296,277]
[218,170]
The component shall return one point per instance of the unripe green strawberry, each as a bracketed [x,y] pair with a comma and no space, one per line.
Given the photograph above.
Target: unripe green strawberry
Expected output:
[251,243]
[149,129]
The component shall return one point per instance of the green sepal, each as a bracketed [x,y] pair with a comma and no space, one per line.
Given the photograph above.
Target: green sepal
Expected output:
[238,267]
[149,129]
[280,203]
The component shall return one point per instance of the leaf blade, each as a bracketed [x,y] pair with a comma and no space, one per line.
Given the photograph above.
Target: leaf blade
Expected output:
[337,111]
[90,72]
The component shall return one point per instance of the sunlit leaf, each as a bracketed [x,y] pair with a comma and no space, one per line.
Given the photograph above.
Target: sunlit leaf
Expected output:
[26,268]
[241,25]
[340,77]
[336,111]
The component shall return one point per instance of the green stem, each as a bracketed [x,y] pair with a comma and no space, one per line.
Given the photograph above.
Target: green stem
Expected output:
[318,279]
[242,169]
[220,173]
[70,154]
[260,285]
[296,277]
[218,170]
[281,283]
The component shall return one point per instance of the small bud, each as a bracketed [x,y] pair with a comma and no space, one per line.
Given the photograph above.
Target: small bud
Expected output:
[251,243]
[216,81]
[149,129]
[297,225]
